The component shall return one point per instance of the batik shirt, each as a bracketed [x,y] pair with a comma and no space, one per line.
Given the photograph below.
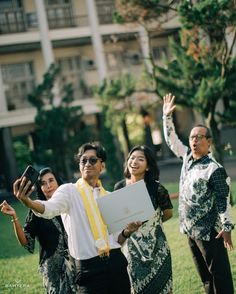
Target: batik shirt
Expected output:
[204,190]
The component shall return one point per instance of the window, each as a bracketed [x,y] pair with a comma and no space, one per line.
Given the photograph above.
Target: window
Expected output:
[72,72]
[32,20]
[133,58]
[160,52]
[9,4]
[123,61]
[60,14]
[19,81]
[105,9]
[11,17]
[55,2]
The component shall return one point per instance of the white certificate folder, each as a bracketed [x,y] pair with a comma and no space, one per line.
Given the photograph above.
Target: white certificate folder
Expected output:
[131,203]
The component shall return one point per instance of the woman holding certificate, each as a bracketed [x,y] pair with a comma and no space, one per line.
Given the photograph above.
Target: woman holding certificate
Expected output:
[146,248]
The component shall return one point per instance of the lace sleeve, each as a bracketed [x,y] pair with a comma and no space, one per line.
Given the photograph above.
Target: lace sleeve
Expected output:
[164,198]
[30,230]
[172,139]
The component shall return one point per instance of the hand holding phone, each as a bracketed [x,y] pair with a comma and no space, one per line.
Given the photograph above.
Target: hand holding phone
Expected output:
[31,174]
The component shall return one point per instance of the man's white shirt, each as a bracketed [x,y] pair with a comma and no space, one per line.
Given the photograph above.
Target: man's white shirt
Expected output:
[67,202]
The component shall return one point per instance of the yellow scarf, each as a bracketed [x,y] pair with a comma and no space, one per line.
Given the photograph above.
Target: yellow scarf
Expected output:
[98,228]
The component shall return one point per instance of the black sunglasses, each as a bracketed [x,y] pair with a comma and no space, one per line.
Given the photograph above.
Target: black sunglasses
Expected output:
[91,160]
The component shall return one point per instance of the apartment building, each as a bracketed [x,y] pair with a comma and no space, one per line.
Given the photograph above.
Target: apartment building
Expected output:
[77,34]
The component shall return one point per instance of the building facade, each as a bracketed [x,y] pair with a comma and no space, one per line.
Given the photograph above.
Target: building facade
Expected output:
[81,37]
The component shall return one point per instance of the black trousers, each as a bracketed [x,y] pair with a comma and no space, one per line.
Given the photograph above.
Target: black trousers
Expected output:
[212,262]
[103,275]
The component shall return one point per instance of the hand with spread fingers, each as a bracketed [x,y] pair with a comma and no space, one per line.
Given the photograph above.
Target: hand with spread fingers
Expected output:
[168,104]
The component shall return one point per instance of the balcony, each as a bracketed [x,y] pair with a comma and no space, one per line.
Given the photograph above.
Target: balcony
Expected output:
[12,21]
[60,16]
[16,20]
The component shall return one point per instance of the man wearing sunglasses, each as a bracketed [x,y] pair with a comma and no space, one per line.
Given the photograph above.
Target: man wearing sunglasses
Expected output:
[101,266]
[204,208]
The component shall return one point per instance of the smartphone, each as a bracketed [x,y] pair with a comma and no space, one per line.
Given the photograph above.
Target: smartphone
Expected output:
[31,174]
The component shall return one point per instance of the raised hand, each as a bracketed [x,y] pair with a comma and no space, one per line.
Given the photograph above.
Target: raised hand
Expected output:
[168,104]
[7,209]
[20,189]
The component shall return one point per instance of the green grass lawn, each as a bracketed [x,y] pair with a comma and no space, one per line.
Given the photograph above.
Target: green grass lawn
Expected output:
[18,268]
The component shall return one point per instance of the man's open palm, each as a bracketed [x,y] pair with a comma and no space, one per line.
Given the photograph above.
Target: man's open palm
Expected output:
[168,104]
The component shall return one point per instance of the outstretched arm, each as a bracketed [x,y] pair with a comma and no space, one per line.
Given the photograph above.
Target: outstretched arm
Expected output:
[171,137]
[20,190]
[9,210]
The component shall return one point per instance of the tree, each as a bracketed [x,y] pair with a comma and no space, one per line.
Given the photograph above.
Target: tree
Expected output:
[150,15]
[118,97]
[59,125]
[202,69]
[115,159]
[113,98]
[202,72]
[22,153]
[144,12]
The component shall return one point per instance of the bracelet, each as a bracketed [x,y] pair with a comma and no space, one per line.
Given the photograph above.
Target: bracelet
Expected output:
[123,234]
[14,219]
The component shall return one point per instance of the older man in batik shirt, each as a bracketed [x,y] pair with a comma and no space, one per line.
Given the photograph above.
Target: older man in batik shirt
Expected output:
[204,208]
